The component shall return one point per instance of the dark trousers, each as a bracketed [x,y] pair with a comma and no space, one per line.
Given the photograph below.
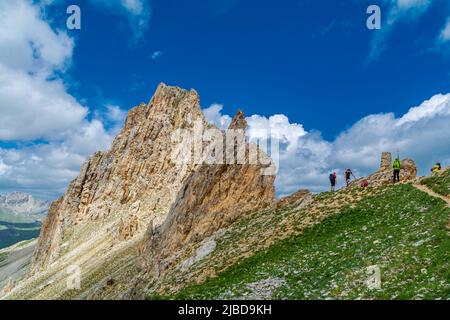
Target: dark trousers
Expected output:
[396,175]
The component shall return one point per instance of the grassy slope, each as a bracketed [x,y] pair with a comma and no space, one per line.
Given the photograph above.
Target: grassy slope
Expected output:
[14,262]
[253,233]
[399,228]
[439,184]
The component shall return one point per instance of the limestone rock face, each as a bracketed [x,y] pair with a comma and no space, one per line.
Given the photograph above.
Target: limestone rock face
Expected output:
[211,198]
[386,161]
[409,169]
[119,191]
[238,121]
[128,227]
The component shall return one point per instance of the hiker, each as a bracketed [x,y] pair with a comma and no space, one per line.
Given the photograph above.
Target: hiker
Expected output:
[437,167]
[348,176]
[333,180]
[396,166]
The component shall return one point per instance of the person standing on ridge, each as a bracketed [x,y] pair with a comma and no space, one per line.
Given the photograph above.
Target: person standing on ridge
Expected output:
[396,166]
[348,176]
[437,167]
[333,180]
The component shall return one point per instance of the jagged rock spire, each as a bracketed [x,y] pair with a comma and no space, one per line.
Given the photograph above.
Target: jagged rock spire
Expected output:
[238,121]
[119,193]
[120,190]
[386,161]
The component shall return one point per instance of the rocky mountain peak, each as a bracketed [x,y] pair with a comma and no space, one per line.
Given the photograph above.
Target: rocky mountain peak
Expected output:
[179,105]
[137,186]
[22,203]
[238,121]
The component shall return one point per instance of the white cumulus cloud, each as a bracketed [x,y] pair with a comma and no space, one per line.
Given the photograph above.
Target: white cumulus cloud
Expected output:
[28,43]
[48,130]
[444,35]
[306,159]
[32,107]
[422,134]
[213,115]
[45,169]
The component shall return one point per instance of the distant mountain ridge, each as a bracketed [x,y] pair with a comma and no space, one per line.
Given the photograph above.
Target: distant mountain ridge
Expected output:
[22,205]
[21,216]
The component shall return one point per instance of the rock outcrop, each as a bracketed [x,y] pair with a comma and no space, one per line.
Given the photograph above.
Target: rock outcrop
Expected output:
[294,198]
[384,175]
[138,183]
[121,190]
[386,161]
[212,198]
[409,170]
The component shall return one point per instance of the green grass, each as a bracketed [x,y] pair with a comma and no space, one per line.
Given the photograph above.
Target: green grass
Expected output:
[399,229]
[439,184]
[3,257]
[25,242]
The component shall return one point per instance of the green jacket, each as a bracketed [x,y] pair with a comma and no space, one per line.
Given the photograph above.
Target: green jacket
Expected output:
[396,165]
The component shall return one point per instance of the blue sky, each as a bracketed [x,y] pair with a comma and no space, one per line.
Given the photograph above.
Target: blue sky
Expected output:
[295,57]
[314,63]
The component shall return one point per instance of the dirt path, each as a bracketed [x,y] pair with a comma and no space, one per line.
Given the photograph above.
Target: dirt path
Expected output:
[435,195]
[432,193]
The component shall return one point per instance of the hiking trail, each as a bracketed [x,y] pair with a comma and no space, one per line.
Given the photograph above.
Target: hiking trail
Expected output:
[432,193]
[435,195]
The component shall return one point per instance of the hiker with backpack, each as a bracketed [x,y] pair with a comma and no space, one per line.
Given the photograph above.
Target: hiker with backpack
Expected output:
[436,169]
[333,180]
[348,176]
[396,166]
